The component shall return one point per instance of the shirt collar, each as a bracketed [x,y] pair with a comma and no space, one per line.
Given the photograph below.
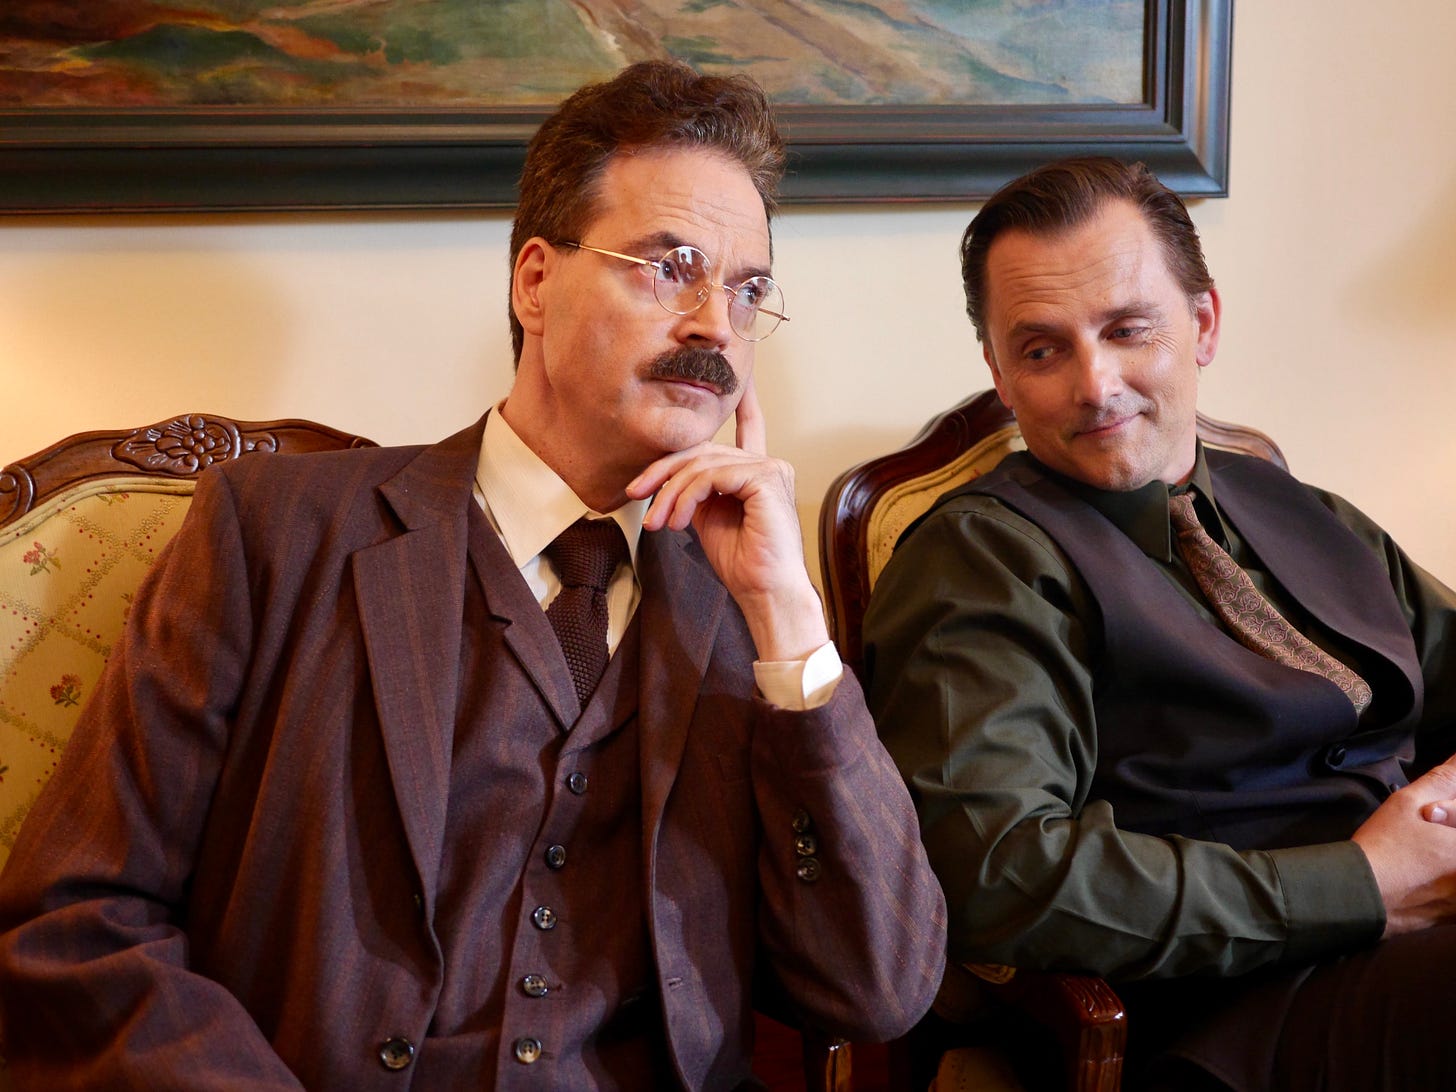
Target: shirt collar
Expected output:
[528,502]
[1142,514]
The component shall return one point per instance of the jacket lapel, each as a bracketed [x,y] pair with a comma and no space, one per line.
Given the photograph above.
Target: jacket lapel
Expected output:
[410,592]
[525,630]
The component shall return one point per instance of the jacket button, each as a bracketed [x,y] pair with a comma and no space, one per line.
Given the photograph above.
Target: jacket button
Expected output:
[544,917]
[801,821]
[534,985]
[806,845]
[577,783]
[556,857]
[396,1052]
[808,869]
[527,1050]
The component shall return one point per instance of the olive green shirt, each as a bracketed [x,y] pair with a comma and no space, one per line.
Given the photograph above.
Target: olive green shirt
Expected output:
[981,643]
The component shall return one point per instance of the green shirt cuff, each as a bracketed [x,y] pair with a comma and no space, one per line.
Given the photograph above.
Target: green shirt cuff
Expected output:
[1330,898]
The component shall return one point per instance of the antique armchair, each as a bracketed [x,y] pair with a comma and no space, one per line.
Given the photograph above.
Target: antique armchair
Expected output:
[80,523]
[865,511]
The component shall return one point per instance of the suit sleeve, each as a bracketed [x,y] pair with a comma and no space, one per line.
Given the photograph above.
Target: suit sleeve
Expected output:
[851,916]
[95,986]
[978,654]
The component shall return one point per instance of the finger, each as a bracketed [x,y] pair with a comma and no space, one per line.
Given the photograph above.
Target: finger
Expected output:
[1436,785]
[750,427]
[661,470]
[677,501]
[1440,811]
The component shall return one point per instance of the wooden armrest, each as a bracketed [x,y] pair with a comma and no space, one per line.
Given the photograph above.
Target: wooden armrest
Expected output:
[827,1065]
[1082,1011]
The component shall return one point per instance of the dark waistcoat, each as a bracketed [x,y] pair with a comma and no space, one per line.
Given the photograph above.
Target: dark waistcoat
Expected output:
[1199,736]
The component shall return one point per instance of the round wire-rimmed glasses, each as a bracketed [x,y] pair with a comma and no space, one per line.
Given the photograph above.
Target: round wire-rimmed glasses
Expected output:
[682,281]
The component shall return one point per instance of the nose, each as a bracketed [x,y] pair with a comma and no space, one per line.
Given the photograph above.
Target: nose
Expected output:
[1098,375]
[708,326]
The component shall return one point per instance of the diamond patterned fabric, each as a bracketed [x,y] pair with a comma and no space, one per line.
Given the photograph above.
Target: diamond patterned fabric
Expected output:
[585,555]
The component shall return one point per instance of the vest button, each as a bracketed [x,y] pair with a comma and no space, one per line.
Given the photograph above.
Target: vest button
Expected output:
[534,985]
[396,1052]
[806,845]
[527,1050]
[544,917]
[556,857]
[1335,757]
[801,821]
[808,869]
[577,783]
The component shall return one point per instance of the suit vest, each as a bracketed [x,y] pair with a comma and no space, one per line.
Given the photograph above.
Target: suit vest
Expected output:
[1199,736]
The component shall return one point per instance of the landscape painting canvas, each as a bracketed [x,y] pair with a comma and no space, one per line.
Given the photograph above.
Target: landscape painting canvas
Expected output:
[440,54]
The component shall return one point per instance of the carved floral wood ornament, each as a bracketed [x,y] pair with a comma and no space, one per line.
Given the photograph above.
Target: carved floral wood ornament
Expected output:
[180,447]
[188,445]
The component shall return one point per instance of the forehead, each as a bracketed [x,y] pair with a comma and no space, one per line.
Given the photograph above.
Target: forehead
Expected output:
[690,195]
[1111,255]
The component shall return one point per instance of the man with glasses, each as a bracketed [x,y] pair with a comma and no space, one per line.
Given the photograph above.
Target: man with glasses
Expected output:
[518,759]
[1170,715]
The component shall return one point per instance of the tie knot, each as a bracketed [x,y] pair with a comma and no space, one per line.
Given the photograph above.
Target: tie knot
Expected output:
[1180,510]
[587,553]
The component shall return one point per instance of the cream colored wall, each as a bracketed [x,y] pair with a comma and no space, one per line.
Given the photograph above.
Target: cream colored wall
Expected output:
[1336,256]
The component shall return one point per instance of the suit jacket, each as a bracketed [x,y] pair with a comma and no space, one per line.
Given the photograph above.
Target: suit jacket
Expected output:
[230,881]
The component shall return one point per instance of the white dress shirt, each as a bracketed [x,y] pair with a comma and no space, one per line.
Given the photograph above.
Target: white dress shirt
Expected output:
[528,505]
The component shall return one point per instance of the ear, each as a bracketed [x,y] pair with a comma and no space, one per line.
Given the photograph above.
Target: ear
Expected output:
[990,358]
[1207,311]
[533,265]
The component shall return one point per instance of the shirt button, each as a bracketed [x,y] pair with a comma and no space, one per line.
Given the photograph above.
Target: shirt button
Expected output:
[577,783]
[556,857]
[544,917]
[801,821]
[527,1050]
[808,869]
[396,1053]
[805,845]
[534,985]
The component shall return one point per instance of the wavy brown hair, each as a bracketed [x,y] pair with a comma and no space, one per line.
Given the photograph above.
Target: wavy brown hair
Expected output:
[649,105]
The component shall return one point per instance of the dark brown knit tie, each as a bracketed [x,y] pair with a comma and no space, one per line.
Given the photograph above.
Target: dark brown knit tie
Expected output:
[1248,615]
[585,555]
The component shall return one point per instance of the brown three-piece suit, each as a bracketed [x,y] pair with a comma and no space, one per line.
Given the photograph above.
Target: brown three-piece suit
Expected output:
[234,878]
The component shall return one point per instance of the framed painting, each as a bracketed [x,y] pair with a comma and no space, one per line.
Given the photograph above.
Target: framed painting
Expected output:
[226,105]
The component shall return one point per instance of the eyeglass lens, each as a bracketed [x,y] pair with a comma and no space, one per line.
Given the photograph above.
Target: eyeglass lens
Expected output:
[683,281]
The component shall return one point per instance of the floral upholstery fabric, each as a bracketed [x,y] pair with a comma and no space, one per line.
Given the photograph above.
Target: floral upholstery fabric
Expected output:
[67,574]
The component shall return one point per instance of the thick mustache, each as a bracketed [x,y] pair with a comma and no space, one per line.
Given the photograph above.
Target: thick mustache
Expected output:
[706,366]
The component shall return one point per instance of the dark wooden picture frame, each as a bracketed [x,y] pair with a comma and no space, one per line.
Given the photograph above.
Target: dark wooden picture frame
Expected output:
[55,160]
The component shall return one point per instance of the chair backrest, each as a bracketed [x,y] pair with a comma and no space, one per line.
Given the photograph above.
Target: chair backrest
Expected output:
[867,508]
[80,523]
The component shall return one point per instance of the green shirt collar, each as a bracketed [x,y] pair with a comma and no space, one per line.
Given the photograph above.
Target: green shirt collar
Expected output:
[1142,514]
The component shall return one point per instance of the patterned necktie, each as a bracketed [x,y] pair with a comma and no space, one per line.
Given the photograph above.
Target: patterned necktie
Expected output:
[585,555]
[1248,615]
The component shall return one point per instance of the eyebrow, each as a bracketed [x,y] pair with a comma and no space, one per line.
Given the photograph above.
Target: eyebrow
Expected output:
[659,243]
[1146,308]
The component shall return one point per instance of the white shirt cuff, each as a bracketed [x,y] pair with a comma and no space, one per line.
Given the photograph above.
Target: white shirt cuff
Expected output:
[798,685]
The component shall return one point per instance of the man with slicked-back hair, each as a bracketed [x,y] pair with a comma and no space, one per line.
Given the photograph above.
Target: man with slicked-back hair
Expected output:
[1168,714]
